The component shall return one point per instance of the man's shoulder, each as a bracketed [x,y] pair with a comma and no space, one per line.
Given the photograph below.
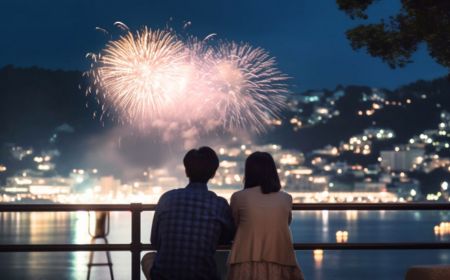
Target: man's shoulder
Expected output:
[170,194]
[181,191]
[222,200]
[184,193]
[215,197]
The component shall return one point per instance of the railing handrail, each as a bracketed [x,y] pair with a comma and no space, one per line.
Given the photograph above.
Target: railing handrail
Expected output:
[136,247]
[296,246]
[10,207]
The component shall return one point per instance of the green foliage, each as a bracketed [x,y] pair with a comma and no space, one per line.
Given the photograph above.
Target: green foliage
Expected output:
[396,39]
[355,8]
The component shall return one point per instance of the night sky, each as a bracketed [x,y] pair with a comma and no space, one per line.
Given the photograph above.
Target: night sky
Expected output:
[306,36]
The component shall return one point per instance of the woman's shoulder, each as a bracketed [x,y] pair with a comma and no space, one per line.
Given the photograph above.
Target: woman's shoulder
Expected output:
[245,192]
[257,190]
[241,193]
[285,195]
[236,197]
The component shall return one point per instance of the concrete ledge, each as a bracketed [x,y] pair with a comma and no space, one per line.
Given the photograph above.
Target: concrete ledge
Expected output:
[428,272]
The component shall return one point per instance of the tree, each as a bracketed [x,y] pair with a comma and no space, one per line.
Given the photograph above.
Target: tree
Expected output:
[395,40]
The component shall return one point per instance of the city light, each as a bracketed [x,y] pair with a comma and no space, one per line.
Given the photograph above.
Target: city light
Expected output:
[318,257]
[442,229]
[341,236]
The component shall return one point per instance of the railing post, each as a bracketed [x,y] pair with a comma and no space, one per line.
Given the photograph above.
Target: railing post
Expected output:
[136,209]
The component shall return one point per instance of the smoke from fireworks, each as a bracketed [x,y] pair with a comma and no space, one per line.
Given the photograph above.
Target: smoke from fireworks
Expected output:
[154,79]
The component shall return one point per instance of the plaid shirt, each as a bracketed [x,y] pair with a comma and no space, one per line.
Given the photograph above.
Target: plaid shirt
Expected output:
[188,225]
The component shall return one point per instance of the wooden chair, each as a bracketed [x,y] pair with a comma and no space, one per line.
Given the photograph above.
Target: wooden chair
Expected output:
[101,231]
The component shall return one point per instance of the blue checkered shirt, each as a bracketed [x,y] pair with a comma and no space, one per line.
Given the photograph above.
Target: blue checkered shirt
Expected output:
[188,225]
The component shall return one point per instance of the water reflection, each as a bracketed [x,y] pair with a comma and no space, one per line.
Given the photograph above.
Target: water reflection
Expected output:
[325,224]
[351,215]
[80,236]
[307,227]
[341,236]
[442,229]
[318,258]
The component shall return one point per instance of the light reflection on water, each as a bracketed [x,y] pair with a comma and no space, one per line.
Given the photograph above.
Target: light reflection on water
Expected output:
[307,226]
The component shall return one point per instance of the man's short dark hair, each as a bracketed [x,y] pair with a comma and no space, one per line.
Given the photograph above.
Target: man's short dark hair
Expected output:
[201,164]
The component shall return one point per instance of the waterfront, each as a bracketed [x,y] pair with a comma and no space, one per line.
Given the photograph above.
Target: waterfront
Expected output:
[307,226]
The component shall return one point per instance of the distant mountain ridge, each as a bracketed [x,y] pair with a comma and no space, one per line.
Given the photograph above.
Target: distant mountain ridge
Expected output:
[35,101]
[428,99]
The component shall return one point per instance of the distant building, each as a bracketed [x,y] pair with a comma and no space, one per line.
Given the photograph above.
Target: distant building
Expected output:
[310,97]
[375,95]
[327,151]
[379,133]
[370,187]
[409,190]
[316,183]
[400,159]
[28,184]
[109,184]
[435,162]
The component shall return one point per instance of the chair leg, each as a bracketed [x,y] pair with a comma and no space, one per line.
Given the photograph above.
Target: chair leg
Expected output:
[89,273]
[91,257]
[108,257]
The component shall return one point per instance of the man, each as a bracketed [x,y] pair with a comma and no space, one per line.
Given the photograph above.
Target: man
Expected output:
[189,223]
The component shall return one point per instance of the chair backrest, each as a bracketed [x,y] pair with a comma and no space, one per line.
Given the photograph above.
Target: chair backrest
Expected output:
[101,229]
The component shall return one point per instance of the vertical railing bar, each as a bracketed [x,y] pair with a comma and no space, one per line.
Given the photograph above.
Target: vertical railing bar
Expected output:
[136,245]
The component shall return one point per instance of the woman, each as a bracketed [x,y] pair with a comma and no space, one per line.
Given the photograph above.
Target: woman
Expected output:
[262,248]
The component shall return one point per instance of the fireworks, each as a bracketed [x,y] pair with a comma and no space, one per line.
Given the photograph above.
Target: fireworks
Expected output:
[154,79]
[246,86]
[141,74]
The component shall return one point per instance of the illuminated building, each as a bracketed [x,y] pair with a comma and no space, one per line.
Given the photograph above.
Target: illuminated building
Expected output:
[370,187]
[400,159]
[39,186]
[109,184]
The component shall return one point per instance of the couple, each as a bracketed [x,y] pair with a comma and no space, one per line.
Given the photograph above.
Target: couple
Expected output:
[189,223]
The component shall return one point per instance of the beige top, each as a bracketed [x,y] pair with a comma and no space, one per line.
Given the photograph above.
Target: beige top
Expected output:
[263,232]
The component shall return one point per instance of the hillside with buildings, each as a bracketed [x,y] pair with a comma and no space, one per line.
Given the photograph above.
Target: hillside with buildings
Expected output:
[350,139]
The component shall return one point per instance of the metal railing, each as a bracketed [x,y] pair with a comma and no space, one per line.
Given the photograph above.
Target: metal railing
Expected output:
[136,246]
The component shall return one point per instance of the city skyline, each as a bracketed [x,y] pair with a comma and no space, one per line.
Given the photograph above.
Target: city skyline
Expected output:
[378,155]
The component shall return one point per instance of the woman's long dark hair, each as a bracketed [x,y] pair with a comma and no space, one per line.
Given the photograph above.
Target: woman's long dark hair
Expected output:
[260,170]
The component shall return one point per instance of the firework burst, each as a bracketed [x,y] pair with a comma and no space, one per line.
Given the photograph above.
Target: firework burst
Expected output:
[141,74]
[247,88]
[152,78]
